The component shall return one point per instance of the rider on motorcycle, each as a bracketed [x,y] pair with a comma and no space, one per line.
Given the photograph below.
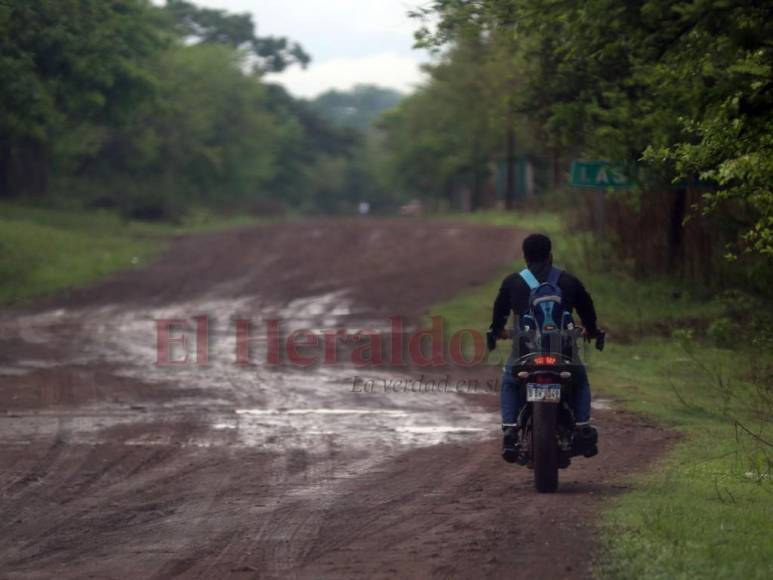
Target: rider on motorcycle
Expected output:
[514,296]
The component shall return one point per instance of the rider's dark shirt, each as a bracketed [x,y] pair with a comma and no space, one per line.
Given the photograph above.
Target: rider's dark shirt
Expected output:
[514,296]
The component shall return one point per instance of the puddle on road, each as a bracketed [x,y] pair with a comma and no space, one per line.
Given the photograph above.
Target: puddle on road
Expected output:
[14,371]
[25,367]
[249,406]
[322,412]
[269,430]
[440,429]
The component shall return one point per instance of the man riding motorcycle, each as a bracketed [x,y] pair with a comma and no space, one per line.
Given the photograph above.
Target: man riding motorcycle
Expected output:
[514,295]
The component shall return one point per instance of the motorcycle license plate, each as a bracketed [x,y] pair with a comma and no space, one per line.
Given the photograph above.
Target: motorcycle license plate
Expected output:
[543,393]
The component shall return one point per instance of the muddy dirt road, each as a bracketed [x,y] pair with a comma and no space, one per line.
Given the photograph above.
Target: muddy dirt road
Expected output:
[114,467]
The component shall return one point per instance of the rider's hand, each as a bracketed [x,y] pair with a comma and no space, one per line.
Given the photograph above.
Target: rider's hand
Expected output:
[586,336]
[504,334]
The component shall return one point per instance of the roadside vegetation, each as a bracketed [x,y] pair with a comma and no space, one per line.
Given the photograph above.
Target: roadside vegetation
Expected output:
[151,109]
[682,359]
[673,95]
[47,250]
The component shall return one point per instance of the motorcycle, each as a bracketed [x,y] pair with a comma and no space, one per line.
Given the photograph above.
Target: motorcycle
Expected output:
[547,430]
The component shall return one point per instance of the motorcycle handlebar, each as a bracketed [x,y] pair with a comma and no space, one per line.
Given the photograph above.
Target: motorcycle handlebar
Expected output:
[491,338]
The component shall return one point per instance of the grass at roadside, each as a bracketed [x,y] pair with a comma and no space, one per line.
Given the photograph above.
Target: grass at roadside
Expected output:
[706,510]
[45,250]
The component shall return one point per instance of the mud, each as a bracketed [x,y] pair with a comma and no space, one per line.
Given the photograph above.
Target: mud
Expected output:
[114,467]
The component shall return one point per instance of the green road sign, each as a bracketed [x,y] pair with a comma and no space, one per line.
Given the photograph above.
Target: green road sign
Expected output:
[600,174]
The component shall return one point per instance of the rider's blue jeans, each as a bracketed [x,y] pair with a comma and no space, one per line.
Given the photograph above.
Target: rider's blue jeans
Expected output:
[513,398]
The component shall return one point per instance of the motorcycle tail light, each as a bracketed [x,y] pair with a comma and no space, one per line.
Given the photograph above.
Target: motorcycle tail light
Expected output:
[544,379]
[544,360]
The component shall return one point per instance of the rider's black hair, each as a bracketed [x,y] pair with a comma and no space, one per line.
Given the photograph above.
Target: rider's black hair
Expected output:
[536,248]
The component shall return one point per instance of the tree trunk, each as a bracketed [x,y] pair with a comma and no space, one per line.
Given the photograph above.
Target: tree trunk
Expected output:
[510,167]
[5,170]
[556,168]
[676,230]
[477,189]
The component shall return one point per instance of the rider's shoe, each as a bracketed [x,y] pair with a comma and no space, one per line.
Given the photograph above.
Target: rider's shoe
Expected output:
[511,447]
[587,438]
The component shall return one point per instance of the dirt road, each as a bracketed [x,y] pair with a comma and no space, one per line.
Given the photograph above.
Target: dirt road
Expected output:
[114,467]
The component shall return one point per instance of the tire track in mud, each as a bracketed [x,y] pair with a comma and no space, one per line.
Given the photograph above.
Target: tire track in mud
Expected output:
[22,478]
[85,531]
[282,534]
[463,514]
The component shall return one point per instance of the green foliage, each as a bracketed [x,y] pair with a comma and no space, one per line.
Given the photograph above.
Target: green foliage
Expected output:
[441,140]
[68,70]
[357,108]
[216,134]
[721,67]
[681,88]
[155,109]
[237,31]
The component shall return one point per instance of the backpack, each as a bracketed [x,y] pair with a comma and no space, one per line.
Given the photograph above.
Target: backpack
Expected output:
[545,307]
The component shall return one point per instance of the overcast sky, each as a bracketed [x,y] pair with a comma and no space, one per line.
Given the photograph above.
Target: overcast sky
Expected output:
[350,41]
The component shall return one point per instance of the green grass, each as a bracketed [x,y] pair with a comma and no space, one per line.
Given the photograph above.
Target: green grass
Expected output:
[543,222]
[631,309]
[706,510]
[44,250]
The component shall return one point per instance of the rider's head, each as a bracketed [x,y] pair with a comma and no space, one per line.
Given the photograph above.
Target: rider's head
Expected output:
[537,248]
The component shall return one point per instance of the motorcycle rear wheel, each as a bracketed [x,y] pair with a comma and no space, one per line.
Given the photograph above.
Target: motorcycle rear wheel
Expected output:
[545,447]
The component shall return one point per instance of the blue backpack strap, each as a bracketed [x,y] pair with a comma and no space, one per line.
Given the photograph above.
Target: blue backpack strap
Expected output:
[529,278]
[553,277]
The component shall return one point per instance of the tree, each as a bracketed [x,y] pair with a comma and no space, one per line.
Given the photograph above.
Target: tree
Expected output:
[721,59]
[356,108]
[153,109]
[68,69]
[206,25]
[682,88]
